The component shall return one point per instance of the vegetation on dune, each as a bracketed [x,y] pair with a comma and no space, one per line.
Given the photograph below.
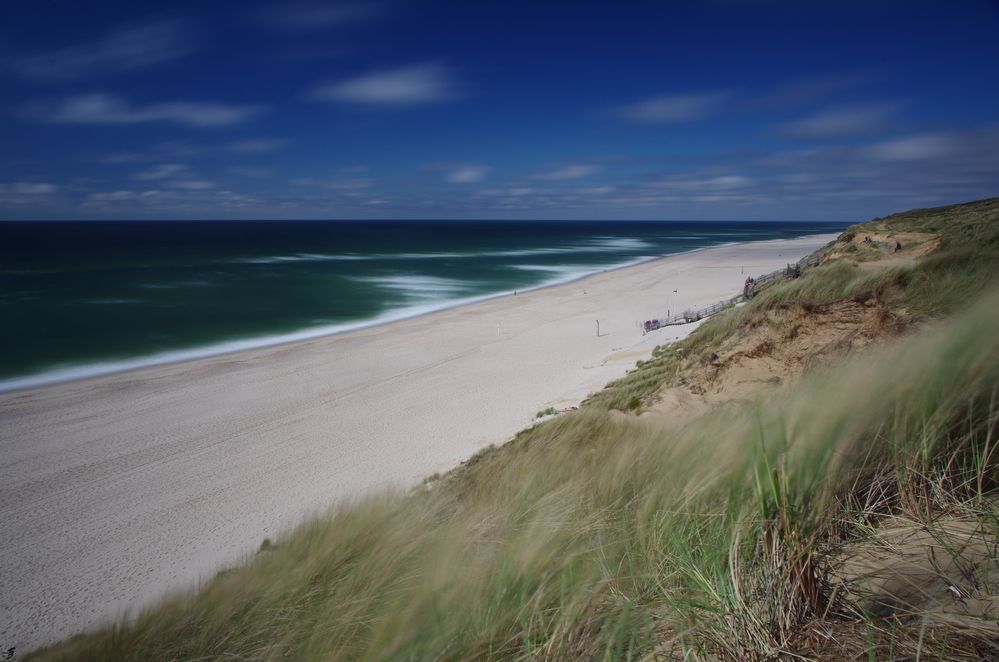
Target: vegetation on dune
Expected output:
[548,411]
[598,535]
[964,266]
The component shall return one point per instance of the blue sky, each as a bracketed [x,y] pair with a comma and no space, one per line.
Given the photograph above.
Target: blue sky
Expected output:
[721,109]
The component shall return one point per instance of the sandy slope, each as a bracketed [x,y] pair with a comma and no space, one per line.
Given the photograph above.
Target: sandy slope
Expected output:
[116,489]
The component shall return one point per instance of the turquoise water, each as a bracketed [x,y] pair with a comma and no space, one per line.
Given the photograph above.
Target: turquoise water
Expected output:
[81,298]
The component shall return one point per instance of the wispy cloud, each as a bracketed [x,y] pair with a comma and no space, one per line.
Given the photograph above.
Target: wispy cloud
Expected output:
[915,148]
[467,174]
[116,158]
[173,176]
[344,185]
[813,89]
[163,171]
[305,16]
[28,188]
[191,184]
[106,109]
[121,50]
[669,109]
[249,171]
[842,121]
[21,195]
[577,171]
[718,183]
[256,145]
[406,86]
[173,150]
[195,199]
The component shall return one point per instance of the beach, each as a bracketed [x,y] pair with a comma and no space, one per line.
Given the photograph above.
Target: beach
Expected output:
[120,488]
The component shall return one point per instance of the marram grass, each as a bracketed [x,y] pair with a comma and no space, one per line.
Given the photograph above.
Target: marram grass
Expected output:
[601,536]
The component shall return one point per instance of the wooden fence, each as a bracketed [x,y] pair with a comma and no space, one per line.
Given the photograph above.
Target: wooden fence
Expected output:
[688,316]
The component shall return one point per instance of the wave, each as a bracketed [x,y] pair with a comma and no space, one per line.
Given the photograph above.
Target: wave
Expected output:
[422,256]
[300,257]
[175,286]
[425,294]
[416,286]
[619,243]
[112,302]
[403,282]
[596,244]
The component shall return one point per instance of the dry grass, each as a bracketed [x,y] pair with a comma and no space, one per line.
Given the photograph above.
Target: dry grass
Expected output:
[596,535]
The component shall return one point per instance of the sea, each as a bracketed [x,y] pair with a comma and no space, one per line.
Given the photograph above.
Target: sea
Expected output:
[84,298]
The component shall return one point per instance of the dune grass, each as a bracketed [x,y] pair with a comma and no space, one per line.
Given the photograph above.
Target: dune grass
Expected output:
[596,535]
[964,267]
[967,224]
[599,536]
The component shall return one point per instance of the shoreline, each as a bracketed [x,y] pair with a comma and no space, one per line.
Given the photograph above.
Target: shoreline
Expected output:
[83,371]
[121,488]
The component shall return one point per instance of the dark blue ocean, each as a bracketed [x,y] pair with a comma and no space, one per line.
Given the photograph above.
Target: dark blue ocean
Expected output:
[86,297]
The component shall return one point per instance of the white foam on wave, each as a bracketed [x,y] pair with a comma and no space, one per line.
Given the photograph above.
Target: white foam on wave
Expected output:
[424,256]
[301,257]
[567,273]
[111,302]
[520,252]
[72,372]
[67,373]
[553,268]
[602,244]
[618,243]
[409,283]
[175,286]
[418,287]
[528,252]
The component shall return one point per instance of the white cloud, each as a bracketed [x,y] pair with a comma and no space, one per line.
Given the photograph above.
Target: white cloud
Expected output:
[191,200]
[256,145]
[303,16]
[351,184]
[406,86]
[248,171]
[105,109]
[719,184]
[467,174]
[191,184]
[669,109]
[568,172]
[347,184]
[173,176]
[123,157]
[28,188]
[114,196]
[814,88]
[913,148]
[121,50]
[163,171]
[841,121]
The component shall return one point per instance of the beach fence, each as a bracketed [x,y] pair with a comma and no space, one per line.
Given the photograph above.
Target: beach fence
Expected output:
[688,316]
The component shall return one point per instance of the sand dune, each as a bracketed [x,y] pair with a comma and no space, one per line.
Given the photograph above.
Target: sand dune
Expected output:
[118,488]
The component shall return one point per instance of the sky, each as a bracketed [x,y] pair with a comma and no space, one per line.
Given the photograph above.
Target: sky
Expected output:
[405,109]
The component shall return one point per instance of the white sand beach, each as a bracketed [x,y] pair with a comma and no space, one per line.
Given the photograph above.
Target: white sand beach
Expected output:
[118,488]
